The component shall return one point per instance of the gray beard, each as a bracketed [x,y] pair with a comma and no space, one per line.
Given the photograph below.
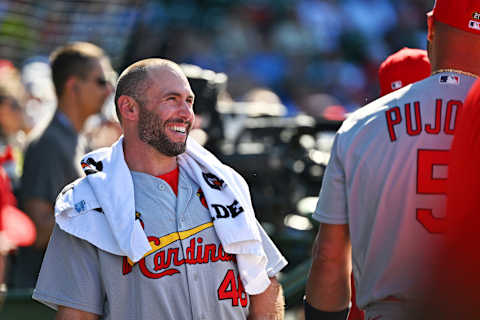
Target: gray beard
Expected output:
[151,130]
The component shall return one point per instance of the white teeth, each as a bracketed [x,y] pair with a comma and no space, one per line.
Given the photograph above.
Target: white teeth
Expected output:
[179,129]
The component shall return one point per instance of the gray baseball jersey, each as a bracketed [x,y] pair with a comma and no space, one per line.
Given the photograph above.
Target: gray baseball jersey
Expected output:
[187,276]
[386,178]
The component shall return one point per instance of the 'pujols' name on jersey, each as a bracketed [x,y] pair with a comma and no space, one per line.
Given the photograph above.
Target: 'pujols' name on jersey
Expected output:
[414,125]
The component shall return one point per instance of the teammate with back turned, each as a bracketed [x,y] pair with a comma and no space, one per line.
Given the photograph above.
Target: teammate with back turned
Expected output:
[400,69]
[382,203]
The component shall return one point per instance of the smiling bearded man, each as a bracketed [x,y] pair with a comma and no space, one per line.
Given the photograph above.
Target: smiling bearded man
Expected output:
[159,227]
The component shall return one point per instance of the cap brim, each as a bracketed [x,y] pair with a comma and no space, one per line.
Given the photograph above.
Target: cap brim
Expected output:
[17,226]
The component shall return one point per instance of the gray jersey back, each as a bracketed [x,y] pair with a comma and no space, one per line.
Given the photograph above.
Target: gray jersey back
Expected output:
[387,179]
[187,276]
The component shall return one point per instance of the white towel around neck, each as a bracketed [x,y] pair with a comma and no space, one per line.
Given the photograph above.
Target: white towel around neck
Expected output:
[109,186]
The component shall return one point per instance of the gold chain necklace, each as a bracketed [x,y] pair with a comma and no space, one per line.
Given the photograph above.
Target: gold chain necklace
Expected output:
[455,71]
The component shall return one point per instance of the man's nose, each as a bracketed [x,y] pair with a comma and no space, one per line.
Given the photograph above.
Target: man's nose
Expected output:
[186,109]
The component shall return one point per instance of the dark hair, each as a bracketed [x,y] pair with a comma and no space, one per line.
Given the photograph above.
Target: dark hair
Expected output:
[134,80]
[74,59]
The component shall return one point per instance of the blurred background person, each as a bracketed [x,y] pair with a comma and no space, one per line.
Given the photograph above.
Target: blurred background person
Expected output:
[52,158]
[16,229]
[13,127]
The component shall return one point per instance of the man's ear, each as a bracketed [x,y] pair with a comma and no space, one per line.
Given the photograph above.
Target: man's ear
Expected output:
[71,85]
[430,36]
[430,27]
[128,107]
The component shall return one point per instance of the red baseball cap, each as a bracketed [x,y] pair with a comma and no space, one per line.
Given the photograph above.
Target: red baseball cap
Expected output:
[460,14]
[15,225]
[402,68]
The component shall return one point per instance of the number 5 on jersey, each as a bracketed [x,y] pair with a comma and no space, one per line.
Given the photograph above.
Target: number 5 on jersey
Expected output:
[427,183]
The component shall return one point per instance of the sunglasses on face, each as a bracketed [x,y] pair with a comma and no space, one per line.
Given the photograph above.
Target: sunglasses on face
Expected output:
[14,105]
[101,82]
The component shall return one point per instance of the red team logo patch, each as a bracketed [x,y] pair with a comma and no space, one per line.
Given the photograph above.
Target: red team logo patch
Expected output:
[91,166]
[212,180]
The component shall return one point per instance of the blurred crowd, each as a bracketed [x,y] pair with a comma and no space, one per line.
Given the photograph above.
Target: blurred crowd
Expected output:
[295,48]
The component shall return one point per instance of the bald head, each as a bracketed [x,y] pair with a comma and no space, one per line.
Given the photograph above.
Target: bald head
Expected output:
[136,79]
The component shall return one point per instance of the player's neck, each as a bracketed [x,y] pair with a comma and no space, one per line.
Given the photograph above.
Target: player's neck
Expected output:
[460,61]
[142,157]
[454,49]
